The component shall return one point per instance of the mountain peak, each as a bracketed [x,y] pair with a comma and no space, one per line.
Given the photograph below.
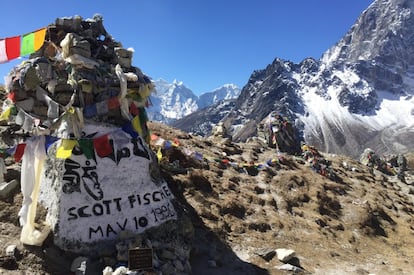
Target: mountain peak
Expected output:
[358,95]
[177,83]
[174,100]
[383,30]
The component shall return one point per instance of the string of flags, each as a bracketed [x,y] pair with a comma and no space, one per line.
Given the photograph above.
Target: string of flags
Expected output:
[162,143]
[29,122]
[103,148]
[100,144]
[255,165]
[16,46]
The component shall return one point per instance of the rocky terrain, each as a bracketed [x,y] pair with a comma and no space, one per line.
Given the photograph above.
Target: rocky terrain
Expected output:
[246,202]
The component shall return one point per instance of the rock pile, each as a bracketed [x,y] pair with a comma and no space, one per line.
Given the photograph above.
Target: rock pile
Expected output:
[279,133]
[80,73]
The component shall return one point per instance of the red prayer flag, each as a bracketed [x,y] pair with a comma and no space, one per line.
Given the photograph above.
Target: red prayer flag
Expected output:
[102,146]
[176,142]
[113,103]
[18,154]
[13,47]
[12,96]
[133,109]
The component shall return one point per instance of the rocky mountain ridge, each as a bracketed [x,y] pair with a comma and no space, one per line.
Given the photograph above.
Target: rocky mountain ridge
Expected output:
[358,95]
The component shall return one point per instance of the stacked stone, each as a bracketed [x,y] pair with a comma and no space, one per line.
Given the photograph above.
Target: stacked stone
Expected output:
[171,251]
[81,73]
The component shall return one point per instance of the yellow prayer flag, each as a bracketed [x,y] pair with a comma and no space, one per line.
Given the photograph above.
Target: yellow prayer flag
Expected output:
[39,38]
[159,154]
[64,151]
[136,123]
[6,114]
[145,90]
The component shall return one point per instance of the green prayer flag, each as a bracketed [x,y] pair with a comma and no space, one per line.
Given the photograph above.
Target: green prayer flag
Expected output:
[27,44]
[86,146]
[32,42]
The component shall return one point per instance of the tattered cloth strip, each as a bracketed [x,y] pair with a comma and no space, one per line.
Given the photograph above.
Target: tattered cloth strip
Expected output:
[32,166]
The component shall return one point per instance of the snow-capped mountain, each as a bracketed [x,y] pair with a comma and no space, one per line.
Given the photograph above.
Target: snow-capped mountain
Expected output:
[358,95]
[173,101]
[225,92]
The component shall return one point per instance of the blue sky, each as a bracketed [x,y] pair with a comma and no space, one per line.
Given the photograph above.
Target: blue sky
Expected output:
[204,43]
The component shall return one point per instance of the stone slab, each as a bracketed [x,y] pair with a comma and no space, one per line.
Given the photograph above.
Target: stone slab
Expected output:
[90,201]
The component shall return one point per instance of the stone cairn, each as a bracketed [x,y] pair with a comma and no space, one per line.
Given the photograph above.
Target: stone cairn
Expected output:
[81,76]
[81,72]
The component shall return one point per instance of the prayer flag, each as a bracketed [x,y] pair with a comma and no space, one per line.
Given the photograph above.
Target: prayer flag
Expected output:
[121,140]
[133,109]
[49,140]
[176,142]
[13,47]
[18,154]
[145,90]
[160,142]
[136,123]
[159,155]
[31,42]
[127,128]
[12,96]
[113,103]
[3,153]
[198,156]
[86,146]
[20,117]
[10,151]
[143,120]
[3,54]
[6,114]
[28,123]
[167,144]
[143,115]
[90,111]
[64,151]
[102,146]
[9,48]
[187,151]
[102,107]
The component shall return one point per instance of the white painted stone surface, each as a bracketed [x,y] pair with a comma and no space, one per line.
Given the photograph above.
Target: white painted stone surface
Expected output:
[92,201]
